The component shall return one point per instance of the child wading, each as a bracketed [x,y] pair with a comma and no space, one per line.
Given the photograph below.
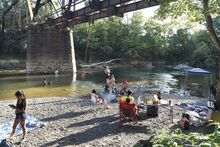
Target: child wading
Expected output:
[20,114]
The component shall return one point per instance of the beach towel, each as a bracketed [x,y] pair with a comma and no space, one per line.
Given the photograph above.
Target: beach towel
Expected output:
[31,124]
[199,113]
[201,109]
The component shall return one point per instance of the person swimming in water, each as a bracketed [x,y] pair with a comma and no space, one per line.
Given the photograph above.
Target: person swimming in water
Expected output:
[45,83]
[83,74]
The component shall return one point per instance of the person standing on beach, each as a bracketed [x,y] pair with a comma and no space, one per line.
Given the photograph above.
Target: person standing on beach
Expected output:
[112,82]
[107,71]
[20,114]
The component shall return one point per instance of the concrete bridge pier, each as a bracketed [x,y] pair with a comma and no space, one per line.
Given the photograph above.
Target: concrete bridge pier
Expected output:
[50,50]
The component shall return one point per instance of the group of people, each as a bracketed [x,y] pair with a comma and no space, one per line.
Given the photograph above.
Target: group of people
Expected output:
[109,87]
[124,95]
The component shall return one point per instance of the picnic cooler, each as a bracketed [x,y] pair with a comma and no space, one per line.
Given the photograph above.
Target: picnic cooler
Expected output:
[152,110]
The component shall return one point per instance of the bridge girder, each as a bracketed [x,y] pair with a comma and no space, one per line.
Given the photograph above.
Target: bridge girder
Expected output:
[87,14]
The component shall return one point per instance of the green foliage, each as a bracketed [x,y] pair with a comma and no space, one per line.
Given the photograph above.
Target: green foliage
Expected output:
[177,138]
[137,39]
[193,9]
[12,46]
[204,51]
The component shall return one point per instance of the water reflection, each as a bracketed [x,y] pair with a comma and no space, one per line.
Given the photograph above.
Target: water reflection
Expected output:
[141,80]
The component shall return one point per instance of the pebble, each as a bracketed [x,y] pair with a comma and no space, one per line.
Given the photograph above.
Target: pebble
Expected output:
[90,129]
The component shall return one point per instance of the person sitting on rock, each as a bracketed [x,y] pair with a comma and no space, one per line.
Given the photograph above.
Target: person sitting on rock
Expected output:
[122,97]
[96,99]
[130,97]
[213,90]
[130,100]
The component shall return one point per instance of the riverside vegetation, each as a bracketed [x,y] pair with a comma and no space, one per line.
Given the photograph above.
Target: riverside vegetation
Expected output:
[135,38]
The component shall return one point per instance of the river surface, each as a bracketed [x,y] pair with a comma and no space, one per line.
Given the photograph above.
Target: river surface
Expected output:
[141,80]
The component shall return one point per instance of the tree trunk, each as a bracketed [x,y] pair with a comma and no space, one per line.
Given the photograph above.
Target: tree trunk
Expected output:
[87,42]
[215,40]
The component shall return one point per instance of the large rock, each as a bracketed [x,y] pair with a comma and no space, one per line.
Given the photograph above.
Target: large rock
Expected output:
[7,64]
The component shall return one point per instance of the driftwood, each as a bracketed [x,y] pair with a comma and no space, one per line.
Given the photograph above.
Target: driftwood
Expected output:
[98,64]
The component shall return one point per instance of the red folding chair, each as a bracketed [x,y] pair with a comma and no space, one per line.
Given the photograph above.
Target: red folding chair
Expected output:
[127,111]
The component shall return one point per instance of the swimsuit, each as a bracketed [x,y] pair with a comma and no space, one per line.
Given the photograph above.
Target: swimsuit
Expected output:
[20,106]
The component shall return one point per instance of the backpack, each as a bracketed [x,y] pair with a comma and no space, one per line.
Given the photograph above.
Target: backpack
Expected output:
[152,111]
[6,143]
[184,123]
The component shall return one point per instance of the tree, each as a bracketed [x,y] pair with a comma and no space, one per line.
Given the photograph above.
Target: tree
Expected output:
[195,10]
[205,51]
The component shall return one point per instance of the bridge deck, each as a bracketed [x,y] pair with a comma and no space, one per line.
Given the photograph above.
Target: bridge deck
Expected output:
[87,14]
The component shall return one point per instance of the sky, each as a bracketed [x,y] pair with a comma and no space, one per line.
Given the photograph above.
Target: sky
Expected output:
[150,12]
[147,12]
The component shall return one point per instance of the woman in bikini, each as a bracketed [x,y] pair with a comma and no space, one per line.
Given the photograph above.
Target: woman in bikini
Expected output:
[20,114]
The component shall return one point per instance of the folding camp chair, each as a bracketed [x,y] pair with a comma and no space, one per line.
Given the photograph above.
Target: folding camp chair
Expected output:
[127,111]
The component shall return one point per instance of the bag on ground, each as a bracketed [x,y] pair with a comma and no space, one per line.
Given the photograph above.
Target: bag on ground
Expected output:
[6,143]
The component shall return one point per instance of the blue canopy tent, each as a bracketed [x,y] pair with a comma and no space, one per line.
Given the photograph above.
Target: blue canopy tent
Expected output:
[198,71]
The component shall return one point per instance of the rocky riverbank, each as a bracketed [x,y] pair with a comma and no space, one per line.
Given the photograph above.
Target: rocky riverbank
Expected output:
[77,122]
[12,64]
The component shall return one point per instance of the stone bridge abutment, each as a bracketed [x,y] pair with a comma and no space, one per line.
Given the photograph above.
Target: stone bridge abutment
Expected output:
[50,50]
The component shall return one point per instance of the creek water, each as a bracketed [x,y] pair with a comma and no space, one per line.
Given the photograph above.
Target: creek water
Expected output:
[140,79]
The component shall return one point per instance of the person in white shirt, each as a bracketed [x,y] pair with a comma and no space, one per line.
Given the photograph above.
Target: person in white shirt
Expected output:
[96,99]
[112,82]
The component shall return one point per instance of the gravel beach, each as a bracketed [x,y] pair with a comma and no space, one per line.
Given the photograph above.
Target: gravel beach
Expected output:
[77,122]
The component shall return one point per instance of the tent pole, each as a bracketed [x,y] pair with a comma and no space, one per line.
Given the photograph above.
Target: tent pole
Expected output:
[184,86]
[210,86]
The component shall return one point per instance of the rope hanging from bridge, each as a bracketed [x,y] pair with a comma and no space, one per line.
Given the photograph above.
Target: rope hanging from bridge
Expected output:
[88,38]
